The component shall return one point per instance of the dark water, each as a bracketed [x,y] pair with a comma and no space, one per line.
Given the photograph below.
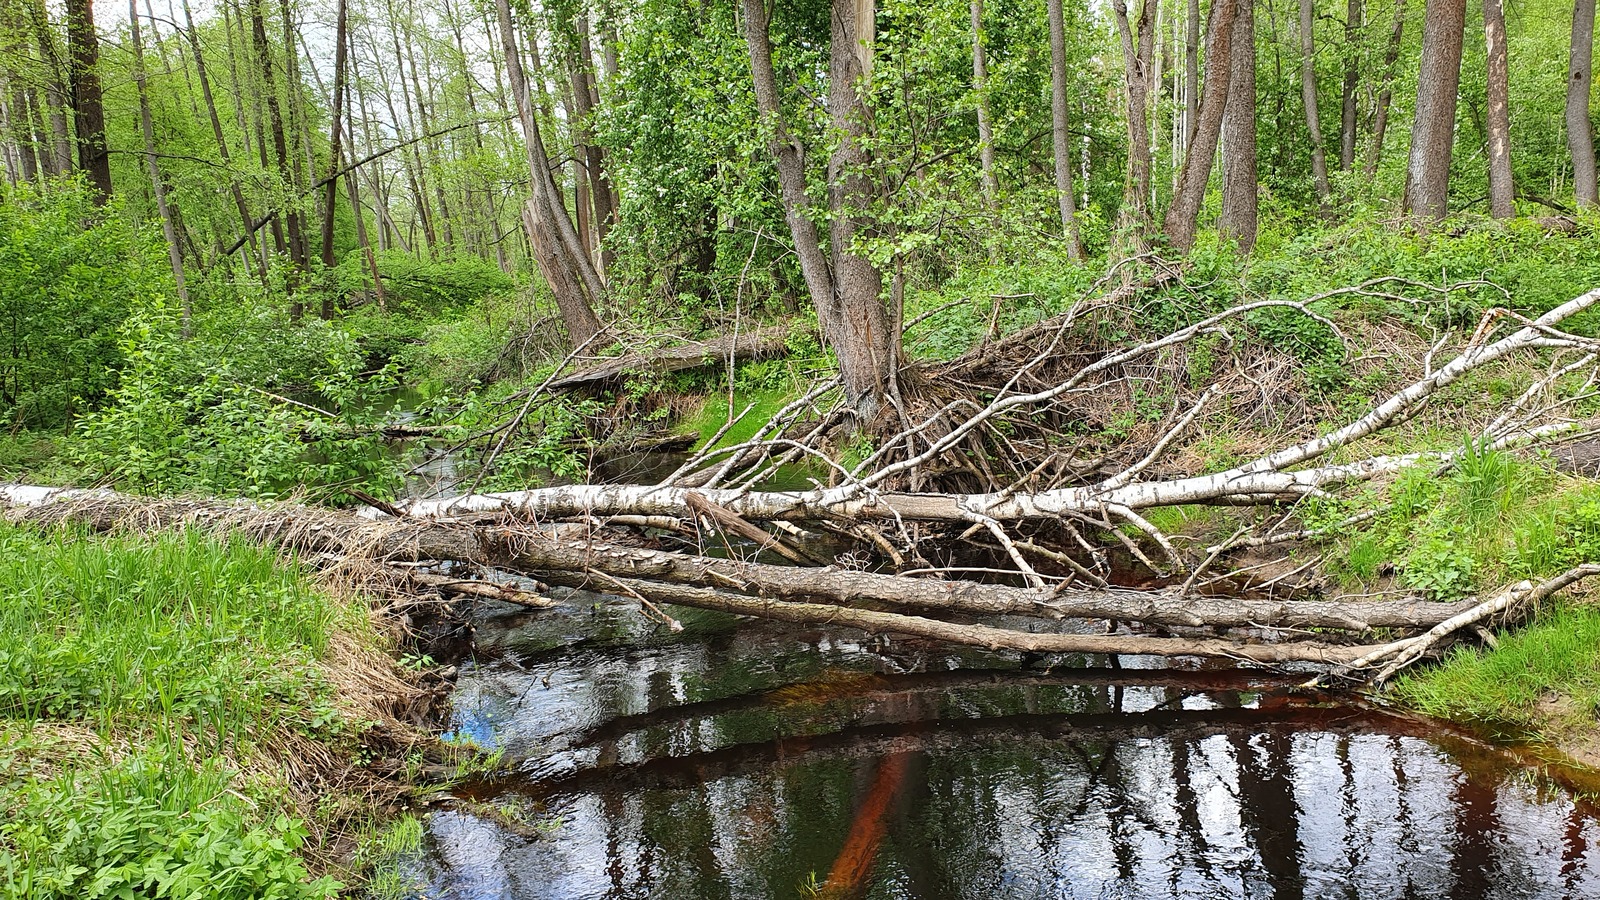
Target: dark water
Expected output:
[747,759]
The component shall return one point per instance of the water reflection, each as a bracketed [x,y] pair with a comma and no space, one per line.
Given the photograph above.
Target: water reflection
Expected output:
[749,760]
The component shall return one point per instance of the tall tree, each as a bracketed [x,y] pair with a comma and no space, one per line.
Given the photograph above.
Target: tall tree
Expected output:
[1354,13]
[88,108]
[341,41]
[1427,192]
[1191,72]
[1183,214]
[1239,177]
[980,90]
[1380,114]
[1138,50]
[556,247]
[1580,79]
[217,134]
[1060,134]
[1497,94]
[846,294]
[280,144]
[1308,96]
[157,187]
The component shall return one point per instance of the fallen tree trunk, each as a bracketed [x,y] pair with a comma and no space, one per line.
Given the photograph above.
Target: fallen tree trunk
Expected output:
[761,344]
[769,591]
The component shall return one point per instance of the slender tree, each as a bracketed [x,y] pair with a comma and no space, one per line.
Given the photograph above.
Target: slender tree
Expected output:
[340,48]
[1138,50]
[1191,72]
[234,188]
[1308,96]
[1580,78]
[1380,115]
[1354,13]
[1060,134]
[1239,177]
[1497,94]
[89,118]
[1183,214]
[551,234]
[157,186]
[1427,193]
[980,90]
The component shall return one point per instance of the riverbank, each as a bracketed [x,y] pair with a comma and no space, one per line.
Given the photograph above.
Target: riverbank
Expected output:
[180,713]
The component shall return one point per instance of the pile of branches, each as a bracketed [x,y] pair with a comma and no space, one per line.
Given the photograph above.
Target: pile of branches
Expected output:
[647,542]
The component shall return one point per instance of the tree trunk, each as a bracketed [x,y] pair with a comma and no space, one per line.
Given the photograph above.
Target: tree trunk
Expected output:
[1239,176]
[57,99]
[340,41]
[980,89]
[585,97]
[550,231]
[1191,73]
[846,295]
[1138,48]
[1580,131]
[868,351]
[1502,192]
[1433,132]
[280,145]
[157,187]
[1354,13]
[1308,95]
[89,118]
[239,203]
[1061,137]
[1380,117]
[1183,215]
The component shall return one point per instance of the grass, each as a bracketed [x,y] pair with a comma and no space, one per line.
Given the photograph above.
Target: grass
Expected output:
[1515,685]
[170,715]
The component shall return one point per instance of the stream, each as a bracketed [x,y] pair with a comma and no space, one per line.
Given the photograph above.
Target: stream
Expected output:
[749,759]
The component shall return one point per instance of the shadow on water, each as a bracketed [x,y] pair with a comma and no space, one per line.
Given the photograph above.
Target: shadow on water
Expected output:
[746,759]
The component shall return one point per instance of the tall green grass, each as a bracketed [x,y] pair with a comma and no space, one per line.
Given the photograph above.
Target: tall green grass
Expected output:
[136,677]
[1559,656]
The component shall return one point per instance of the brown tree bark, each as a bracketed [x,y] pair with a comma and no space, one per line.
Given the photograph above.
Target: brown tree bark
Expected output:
[585,97]
[335,139]
[1060,136]
[1580,78]
[1239,177]
[550,231]
[1427,192]
[1502,192]
[280,145]
[1183,215]
[1308,96]
[1138,49]
[1380,116]
[89,118]
[846,295]
[980,89]
[1354,14]
[1191,72]
[157,187]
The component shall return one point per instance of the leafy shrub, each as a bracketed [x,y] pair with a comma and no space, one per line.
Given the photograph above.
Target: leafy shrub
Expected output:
[69,272]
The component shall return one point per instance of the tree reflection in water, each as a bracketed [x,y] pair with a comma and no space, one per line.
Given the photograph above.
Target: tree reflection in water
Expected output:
[739,760]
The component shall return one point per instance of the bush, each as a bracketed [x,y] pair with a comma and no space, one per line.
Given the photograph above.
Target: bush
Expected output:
[69,274]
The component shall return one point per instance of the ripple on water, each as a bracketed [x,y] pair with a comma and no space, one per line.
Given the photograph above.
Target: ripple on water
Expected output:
[746,759]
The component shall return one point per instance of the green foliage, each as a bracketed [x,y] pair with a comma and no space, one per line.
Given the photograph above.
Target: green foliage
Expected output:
[147,826]
[194,415]
[171,659]
[69,273]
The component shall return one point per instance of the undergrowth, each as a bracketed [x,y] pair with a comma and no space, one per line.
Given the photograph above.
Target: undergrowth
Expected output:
[171,718]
